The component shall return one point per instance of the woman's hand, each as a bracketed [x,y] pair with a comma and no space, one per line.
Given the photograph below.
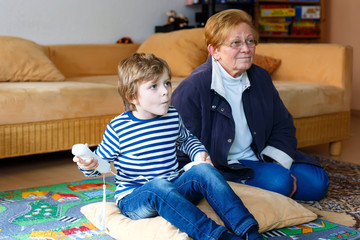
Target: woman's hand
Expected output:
[90,164]
[294,182]
[295,186]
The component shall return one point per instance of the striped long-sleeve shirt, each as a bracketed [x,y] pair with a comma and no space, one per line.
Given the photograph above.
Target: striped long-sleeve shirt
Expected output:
[145,149]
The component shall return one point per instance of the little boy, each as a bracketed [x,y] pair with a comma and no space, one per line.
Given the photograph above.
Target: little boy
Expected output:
[142,143]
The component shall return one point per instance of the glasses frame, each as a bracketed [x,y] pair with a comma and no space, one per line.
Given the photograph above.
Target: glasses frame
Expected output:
[240,44]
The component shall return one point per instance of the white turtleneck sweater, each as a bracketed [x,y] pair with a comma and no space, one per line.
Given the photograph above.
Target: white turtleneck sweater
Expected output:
[233,89]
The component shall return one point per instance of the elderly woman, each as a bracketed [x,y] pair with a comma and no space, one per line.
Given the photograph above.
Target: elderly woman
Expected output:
[232,106]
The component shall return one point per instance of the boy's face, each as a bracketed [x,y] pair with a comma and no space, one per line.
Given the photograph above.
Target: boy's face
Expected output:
[153,98]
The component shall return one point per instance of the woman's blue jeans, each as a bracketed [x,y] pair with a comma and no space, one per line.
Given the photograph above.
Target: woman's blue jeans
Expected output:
[176,202]
[312,181]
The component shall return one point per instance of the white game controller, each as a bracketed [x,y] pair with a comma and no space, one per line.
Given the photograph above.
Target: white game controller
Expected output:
[197,160]
[85,153]
[191,164]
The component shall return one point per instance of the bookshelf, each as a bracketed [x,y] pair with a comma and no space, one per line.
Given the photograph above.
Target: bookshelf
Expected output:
[294,29]
[290,20]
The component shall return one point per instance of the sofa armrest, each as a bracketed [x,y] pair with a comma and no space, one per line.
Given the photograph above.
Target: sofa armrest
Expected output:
[325,63]
[75,60]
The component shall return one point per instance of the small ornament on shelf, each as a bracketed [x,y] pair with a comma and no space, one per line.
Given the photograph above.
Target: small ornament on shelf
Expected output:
[174,22]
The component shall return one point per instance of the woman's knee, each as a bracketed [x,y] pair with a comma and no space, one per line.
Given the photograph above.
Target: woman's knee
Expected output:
[273,177]
[281,183]
[313,182]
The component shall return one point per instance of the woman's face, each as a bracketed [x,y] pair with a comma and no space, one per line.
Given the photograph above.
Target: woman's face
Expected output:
[234,55]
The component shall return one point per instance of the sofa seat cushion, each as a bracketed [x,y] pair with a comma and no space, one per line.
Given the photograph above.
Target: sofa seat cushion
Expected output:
[304,99]
[97,95]
[105,79]
[22,102]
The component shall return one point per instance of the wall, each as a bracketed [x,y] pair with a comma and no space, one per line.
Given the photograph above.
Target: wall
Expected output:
[342,26]
[86,21]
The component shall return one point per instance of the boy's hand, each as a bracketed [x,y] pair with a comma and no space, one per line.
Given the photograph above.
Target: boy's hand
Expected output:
[206,158]
[90,164]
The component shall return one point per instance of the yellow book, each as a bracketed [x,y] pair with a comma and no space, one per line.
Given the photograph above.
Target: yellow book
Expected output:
[274,27]
[278,12]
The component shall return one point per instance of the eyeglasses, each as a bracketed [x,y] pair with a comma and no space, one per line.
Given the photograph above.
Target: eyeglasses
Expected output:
[239,44]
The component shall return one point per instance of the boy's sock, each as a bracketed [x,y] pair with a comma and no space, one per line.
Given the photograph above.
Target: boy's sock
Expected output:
[253,234]
[229,236]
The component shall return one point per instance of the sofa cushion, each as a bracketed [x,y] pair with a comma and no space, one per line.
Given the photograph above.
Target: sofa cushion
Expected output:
[183,50]
[76,60]
[270,64]
[23,102]
[78,97]
[103,79]
[24,60]
[318,63]
[270,209]
[304,99]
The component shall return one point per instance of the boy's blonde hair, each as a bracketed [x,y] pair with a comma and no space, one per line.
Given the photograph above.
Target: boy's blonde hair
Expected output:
[136,69]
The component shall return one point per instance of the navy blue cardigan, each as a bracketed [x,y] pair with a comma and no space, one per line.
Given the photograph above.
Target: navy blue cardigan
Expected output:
[208,116]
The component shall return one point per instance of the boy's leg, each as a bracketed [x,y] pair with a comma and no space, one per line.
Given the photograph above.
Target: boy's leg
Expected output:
[203,180]
[160,197]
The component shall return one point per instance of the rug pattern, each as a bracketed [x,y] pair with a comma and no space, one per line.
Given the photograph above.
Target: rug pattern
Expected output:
[344,190]
[52,212]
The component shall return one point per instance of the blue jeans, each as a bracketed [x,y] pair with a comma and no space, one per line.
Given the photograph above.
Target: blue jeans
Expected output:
[312,181]
[176,202]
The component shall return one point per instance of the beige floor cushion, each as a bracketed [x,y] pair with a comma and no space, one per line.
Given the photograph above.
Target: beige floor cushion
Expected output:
[270,209]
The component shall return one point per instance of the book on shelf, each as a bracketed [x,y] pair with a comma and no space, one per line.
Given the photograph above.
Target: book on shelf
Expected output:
[305,27]
[276,20]
[274,27]
[271,6]
[299,22]
[265,34]
[274,24]
[277,12]
[307,12]
[308,33]
[281,19]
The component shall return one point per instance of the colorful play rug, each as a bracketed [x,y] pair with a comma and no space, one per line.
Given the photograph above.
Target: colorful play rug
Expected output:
[315,230]
[53,212]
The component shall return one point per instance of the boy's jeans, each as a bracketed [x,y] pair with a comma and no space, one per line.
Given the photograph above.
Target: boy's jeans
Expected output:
[175,201]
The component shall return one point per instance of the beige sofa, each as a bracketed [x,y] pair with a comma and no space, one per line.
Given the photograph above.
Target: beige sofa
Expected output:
[54,96]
